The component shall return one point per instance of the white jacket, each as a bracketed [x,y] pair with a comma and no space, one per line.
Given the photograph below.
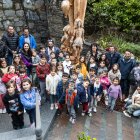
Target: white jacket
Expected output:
[51,83]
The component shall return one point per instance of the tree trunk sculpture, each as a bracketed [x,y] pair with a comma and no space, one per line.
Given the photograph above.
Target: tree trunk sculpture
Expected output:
[73,38]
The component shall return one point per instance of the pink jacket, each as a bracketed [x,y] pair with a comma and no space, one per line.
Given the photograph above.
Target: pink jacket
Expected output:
[104,82]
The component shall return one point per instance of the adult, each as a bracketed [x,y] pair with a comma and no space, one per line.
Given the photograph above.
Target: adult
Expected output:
[3,50]
[134,78]
[93,52]
[26,57]
[51,48]
[10,38]
[27,37]
[112,56]
[126,64]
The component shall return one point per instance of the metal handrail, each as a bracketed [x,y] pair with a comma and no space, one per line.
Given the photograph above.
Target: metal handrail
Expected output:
[38,129]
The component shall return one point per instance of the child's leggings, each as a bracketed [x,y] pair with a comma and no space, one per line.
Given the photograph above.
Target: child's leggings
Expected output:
[32,115]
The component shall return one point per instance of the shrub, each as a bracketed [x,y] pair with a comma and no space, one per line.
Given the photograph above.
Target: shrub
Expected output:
[82,136]
[121,45]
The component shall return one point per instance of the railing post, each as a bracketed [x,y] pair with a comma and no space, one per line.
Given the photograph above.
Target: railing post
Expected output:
[38,130]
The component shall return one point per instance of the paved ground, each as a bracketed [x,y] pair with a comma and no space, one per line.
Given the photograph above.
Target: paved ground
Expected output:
[103,126]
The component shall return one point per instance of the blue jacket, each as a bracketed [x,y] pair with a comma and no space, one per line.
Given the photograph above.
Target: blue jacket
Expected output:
[61,92]
[28,98]
[126,67]
[22,41]
[56,51]
[81,92]
[96,91]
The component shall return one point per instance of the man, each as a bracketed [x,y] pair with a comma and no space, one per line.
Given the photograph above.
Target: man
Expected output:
[10,38]
[112,56]
[52,48]
[126,64]
[27,37]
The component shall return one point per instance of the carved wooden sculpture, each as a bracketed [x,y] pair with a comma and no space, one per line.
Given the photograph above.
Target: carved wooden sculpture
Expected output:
[74,33]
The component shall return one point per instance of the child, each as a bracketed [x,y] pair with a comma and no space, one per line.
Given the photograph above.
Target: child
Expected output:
[17,62]
[35,62]
[42,70]
[70,100]
[53,62]
[134,108]
[92,73]
[114,72]
[3,66]
[60,69]
[103,58]
[83,68]
[102,67]
[67,64]
[61,57]
[83,91]
[105,84]
[75,79]
[22,75]
[51,83]
[28,99]
[11,75]
[52,56]
[79,74]
[92,64]
[114,91]
[42,51]
[2,93]
[13,106]
[96,91]
[61,91]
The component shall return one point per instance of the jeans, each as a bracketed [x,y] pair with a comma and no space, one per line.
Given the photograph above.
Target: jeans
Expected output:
[9,59]
[136,113]
[34,79]
[129,102]
[71,111]
[111,102]
[53,99]
[132,108]
[32,115]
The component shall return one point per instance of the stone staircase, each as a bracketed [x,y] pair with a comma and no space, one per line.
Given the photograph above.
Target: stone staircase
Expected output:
[7,133]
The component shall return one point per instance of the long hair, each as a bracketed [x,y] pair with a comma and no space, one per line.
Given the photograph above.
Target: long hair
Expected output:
[29,53]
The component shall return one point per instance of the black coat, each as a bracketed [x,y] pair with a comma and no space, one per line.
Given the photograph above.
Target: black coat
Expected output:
[12,42]
[3,50]
[112,58]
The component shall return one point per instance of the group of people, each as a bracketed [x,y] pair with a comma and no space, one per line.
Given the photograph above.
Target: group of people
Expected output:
[49,74]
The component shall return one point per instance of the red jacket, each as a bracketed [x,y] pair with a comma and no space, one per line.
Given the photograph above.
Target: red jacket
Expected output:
[42,71]
[7,77]
[71,98]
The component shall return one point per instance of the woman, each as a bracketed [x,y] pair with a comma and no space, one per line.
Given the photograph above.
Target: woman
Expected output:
[93,52]
[26,57]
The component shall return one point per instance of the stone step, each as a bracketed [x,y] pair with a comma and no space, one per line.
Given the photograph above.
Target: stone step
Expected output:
[47,118]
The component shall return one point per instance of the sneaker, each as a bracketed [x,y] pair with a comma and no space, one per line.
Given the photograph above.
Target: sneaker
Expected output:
[4,111]
[106,102]
[70,119]
[32,126]
[52,107]
[0,110]
[56,106]
[90,110]
[126,114]
[94,109]
[126,99]
[73,121]
[90,114]
[83,113]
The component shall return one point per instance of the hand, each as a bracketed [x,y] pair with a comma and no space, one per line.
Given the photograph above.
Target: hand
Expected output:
[75,90]
[10,115]
[19,112]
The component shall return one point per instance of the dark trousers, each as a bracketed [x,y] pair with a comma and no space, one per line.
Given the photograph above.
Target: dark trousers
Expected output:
[17,120]
[125,86]
[85,107]
[32,115]
[9,59]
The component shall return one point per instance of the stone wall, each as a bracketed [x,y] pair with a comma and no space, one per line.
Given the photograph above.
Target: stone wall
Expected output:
[32,13]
